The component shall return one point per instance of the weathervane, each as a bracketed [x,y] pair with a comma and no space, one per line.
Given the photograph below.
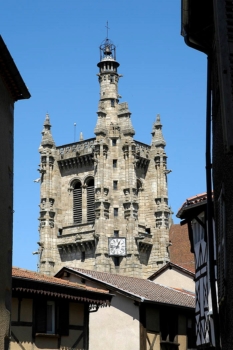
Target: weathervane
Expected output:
[107,29]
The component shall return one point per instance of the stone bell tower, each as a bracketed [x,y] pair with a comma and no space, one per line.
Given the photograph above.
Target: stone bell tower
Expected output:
[104,202]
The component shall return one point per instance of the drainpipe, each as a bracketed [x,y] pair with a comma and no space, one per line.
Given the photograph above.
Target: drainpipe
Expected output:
[210,237]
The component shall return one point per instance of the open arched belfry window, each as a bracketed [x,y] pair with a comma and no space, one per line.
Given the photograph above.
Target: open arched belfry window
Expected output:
[90,200]
[77,202]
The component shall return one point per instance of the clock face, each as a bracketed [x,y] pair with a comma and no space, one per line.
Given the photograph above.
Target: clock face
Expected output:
[117,246]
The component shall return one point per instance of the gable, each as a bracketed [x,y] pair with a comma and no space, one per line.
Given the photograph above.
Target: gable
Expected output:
[175,279]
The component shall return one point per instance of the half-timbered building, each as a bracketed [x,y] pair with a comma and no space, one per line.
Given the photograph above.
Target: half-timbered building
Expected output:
[51,313]
[207,27]
[194,213]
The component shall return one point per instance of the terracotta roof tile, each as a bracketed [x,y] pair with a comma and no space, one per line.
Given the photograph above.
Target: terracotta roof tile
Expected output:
[194,201]
[179,250]
[140,288]
[35,276]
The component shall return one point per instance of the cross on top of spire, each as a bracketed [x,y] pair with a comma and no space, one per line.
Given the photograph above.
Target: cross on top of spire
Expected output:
[107,29]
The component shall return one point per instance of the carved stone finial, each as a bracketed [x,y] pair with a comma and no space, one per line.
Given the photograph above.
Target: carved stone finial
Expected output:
[47,139]
[157,136]
[158,118]
[47,120]
[81,136]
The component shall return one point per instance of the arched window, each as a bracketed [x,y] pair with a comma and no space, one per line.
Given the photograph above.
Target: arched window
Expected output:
[90,201]
[77,202]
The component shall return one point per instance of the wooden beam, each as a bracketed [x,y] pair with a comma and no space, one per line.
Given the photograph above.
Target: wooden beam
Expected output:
[142,325]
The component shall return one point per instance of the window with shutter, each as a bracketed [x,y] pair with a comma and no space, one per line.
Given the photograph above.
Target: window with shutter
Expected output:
[77,202]
[168,325]
[51,317]
[63,317]
[90,201]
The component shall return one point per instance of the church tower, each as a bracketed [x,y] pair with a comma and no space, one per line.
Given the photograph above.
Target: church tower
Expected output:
[104,201]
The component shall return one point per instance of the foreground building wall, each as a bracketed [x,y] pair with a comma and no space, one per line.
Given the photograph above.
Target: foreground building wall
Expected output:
[207,27]
[104,201]
[122,331]
[12,88]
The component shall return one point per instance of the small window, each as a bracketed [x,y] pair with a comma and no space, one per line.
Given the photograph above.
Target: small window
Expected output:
[148,230]
[116,261]
[59,232]
[114,163]
[116,233]
[115,211]
[50,317]
[112,79]
[83,256]
[114,142]
[112,103]
[115,183]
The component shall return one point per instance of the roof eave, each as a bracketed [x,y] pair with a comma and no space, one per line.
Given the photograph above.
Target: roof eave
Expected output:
[10,74]
[104,296]
[127,294]
[148,301]
[197,24]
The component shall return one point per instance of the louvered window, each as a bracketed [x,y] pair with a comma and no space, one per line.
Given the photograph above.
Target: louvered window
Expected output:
[77,203]
[90,201]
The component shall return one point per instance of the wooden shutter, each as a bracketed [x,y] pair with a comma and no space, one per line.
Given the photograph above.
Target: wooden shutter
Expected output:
[90,202]
[77,203]
[63,317]
[40,315]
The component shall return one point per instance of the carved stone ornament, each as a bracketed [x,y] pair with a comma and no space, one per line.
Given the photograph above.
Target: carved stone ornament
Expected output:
[78,237]
[106,190]
[42,224]
[51,223]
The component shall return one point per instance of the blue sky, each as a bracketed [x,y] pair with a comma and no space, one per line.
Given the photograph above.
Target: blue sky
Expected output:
[55,45]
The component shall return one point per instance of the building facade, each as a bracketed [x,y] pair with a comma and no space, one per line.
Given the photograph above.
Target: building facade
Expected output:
[194,213]
[207,27]
[12,89]
[144,315]
[51,313]
[104,201]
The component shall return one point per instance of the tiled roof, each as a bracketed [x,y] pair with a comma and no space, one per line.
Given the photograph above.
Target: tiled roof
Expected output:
[180,253]
[35,276]
[33,282]
[194,201]
[139,288]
